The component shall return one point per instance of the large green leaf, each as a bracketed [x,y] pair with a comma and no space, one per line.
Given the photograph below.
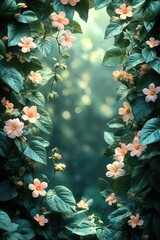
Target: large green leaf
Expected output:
[8,7]
[35,151]
[44,123]
[141,109]
[115,56]
[155,65]
[36,29]
[121,184]
[133,60]
[45,45]
[150,132]
[148,54]
[27,17]
[35,97]
[114,28]
[5,222]
[61,199]
[16,32]
[101,3]
[74,27]
[12,78]
[26,229]
[152,9]
[109,137]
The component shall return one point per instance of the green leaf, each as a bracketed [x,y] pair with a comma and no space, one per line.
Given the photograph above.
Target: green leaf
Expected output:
[5,222]
[2,49]
[8,7]
[35,97]
[7,191]
[4,144]
[115,56]
[103,184]
[116,123]
[44,123]
[12,78]
[120,235]
[122,92]
[36,29]
[109,137]
[61,199]
[27,17]
[16,32]
[68,9]
[74,27]
[114,28]
[104,234]
[26,229]
[150,132]
[151,151]
[155,65]
[35,151]
[148,54]
[45,45]
[81,226]
[46,75]
[141,109]
[119,215]
[152,9]
[133,60]
[139,183]
[149,25]
[101,3]
[82,8]
[121,184]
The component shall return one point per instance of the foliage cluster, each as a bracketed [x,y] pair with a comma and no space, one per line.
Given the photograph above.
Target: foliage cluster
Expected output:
[31,207]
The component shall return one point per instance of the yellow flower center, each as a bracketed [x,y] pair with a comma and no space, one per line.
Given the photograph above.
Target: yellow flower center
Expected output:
[125,11]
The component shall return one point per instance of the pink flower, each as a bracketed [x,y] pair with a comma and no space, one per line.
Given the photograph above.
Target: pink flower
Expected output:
[126,112]
[13,128]
[71,2]
[35,77]
[59,20]
[41,219]
[111,199]
[135,148]
[135,221]
[124,11]
[152,42]
[120,152]
[151,93]
[38,188]
[83,204]
[66,40]
[115,169]
[26,44]
[31,114]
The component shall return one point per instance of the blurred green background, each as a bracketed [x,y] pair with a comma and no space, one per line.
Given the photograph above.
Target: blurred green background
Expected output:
[86,103]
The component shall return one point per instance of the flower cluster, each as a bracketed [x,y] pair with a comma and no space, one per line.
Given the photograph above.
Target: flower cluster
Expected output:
[122,75]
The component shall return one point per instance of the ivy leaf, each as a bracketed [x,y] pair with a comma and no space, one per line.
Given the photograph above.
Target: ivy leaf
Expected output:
[133,60]
[122,92]
[148,54]
[35,151]
[36,97]
[45,45]
[61,199]
[44,123]
[27,17]
[115,56]
[101,3]
[68,9]
[12,78]
[7,191]
[114,28]
[152,9]
[141,109]
[16,32]
[149,25]
[109,137]
[150,132]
